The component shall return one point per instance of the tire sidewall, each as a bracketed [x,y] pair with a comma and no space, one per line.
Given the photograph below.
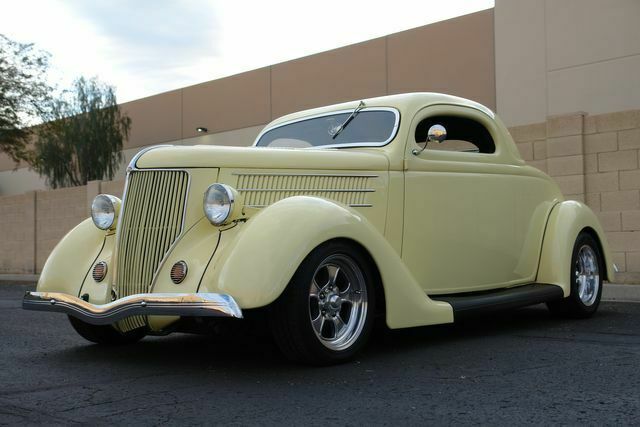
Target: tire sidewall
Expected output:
[299,293]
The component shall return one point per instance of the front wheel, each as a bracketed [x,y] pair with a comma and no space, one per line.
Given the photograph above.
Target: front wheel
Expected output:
[587,269]
[326,313]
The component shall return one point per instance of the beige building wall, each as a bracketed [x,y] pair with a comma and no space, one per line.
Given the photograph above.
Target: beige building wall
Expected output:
[568,82]
[20,181]
[558,57]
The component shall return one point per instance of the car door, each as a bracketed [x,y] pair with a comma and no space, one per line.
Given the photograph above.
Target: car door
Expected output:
[473,219]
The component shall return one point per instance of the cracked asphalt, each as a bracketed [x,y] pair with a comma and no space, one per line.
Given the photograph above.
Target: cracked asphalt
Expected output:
[522,367]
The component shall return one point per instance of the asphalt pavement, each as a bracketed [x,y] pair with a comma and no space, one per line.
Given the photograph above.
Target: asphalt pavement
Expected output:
[521,367]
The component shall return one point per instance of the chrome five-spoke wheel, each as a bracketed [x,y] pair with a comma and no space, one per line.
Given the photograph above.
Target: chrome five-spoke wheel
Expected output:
[337,302]
[587,275]
[325,315]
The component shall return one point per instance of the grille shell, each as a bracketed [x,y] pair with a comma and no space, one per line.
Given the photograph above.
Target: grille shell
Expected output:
[152,219]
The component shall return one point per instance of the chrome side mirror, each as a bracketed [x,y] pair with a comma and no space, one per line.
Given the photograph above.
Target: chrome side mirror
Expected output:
[437,133]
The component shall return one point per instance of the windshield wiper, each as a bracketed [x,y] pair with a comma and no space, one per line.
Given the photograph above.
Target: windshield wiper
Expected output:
[336,131]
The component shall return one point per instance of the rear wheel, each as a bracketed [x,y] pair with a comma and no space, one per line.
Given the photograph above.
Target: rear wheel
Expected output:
[326,313]
[105,334]
[586,280]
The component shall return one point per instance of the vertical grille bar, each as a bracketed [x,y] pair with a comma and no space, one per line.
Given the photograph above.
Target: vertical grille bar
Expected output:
[152,217]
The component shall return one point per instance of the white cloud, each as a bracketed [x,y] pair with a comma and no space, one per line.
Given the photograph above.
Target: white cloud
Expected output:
[148,46]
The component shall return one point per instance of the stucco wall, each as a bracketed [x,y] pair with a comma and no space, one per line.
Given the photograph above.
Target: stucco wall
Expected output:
[558,57]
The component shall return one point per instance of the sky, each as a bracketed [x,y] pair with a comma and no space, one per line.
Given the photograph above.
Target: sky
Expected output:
[145,47]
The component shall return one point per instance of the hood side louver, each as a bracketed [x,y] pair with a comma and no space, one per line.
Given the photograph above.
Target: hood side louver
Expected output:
[262,189]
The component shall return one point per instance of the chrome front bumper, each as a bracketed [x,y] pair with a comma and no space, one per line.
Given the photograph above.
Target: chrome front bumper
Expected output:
[196,305]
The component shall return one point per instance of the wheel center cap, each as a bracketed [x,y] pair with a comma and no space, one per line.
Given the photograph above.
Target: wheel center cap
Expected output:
[334,302]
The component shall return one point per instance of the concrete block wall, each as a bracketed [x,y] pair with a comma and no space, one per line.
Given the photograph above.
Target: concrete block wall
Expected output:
[33,223]
[57,212]
[17,228]
[595,159]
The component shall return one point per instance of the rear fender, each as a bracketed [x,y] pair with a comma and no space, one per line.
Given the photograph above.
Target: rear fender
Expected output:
[566,220]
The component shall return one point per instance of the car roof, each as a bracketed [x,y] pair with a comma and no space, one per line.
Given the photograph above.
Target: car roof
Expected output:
[404,102]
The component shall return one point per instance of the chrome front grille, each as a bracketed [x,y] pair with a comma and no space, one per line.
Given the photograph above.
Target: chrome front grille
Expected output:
[152,219]
[260,190]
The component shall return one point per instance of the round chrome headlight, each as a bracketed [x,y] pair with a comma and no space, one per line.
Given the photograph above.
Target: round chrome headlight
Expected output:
[218,203]
[104,211]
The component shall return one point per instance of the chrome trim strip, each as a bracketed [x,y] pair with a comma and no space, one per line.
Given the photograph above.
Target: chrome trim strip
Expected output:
[328,175]
[134,159]
[355,205]
[199,305]
[308,190]
[394,130]
[114,276]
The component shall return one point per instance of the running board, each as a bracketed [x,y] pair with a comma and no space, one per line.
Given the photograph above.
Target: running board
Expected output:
[475,303]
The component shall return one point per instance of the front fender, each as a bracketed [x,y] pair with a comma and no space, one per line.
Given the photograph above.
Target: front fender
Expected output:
[256,260]
[71,259]
[566,220]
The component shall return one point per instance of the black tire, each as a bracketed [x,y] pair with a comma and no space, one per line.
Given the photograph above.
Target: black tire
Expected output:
[575,306]
[106,334]
[349,320]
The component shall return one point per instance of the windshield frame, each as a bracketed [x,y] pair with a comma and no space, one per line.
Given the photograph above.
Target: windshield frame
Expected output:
[394,130]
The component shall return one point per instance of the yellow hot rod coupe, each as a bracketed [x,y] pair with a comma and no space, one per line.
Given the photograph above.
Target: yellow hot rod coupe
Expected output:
[415,208]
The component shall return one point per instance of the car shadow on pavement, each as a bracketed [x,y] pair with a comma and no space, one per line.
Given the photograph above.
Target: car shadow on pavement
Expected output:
[197,352]
[536,319]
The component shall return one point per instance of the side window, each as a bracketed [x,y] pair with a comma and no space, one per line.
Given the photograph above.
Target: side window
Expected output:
[461,134]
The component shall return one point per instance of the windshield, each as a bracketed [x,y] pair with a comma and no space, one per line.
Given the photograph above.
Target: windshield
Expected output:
[368,127]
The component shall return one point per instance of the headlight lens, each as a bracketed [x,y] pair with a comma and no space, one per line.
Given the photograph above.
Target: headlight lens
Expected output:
[104,211]
[218,203]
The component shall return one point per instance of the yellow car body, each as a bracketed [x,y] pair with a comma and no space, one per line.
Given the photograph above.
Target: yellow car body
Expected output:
[433,222]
